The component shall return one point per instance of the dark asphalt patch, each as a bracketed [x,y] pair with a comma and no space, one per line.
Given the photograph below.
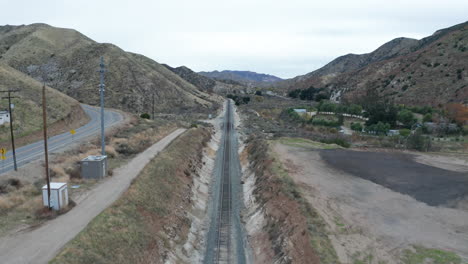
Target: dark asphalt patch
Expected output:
[400,173]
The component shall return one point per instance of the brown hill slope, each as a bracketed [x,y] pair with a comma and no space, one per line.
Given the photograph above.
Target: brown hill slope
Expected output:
[433,70]
[64,113]
[68,61]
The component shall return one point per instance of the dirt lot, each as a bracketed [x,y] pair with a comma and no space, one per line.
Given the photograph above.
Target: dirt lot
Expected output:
[372,201]
[400,173]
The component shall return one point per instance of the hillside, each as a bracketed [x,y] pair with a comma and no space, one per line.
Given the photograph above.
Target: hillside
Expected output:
[68,61]
[64,113]
[432,71]
[204,83]
[244,77]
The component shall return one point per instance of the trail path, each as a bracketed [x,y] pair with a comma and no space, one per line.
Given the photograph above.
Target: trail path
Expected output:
[42,244]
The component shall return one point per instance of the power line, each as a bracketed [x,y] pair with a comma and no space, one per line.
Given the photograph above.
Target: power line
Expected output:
[9,97]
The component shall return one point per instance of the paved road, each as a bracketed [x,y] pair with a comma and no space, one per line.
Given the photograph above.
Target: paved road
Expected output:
[42,244]
[35,150]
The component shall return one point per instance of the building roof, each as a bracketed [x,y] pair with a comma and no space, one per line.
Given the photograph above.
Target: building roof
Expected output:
[94,158]
[300,110]
[55,185]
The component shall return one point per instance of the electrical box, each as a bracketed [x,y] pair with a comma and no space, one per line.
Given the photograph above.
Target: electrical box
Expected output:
[58,195]
[94,167]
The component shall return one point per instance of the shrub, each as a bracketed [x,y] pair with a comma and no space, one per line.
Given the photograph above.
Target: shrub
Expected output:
[427,117]
[418,141]
[323,122]
[405,132]
[356,127]
[339,141]
[145,116]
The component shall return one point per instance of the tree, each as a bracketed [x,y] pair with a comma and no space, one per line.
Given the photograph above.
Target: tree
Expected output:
[427,118]
[406,117]
[381,112]
[321,96]
[356,127]
[327,106]
[294,93]
[405,132]
[308,94]
[457,113]
[259,93]
[355,109]
[145,116]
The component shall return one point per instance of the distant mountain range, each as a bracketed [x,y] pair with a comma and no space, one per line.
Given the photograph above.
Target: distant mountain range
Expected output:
[68,61]
[204,83]
[247,78]
[433,70]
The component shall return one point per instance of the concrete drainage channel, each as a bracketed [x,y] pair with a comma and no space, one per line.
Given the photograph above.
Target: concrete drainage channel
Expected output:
[226,242]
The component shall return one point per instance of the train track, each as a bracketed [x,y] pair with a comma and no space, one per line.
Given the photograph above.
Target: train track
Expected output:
[223,228]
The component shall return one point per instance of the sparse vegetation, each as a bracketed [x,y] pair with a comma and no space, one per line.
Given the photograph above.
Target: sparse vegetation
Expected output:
[421,255]
[138,227]
[145,116]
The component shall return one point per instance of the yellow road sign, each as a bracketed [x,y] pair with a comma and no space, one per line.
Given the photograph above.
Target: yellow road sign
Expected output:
[3,151]
[3,157]
[73,132]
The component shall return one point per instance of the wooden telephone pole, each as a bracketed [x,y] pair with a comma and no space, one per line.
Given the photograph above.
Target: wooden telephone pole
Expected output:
[46,153]
[9,97]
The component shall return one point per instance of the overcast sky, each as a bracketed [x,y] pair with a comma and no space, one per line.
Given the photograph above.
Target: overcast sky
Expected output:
[284,38]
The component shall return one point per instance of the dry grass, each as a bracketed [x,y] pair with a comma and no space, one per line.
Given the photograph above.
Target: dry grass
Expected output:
[63,112]
[18,206]
[137,228]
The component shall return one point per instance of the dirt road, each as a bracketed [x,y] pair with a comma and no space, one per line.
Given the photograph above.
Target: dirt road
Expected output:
[42,244]
[368,218]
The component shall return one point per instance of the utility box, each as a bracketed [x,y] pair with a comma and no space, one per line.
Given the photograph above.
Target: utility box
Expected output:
[58,195]
[94,167]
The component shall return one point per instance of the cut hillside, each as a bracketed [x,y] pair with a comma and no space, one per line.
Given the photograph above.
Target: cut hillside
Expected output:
[69,61]
[430,71]
[244,77]
[206,84]
[63,112]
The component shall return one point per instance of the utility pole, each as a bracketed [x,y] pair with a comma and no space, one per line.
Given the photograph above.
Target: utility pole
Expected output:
[9,97]
[44,120]
[101,91]
[153,108]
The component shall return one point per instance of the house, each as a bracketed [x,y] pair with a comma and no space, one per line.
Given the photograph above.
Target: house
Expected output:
[4,117]
[393,132]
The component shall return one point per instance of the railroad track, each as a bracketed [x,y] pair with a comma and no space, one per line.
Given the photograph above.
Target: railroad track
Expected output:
[222,252]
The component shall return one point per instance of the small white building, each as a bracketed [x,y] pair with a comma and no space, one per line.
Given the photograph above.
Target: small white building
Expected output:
[4,117]
[300,111]
[58,195]
[393,132]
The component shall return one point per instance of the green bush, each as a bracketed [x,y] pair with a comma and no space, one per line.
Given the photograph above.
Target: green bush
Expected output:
[356,127]
[145,116]
[405,132]
[427,117]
